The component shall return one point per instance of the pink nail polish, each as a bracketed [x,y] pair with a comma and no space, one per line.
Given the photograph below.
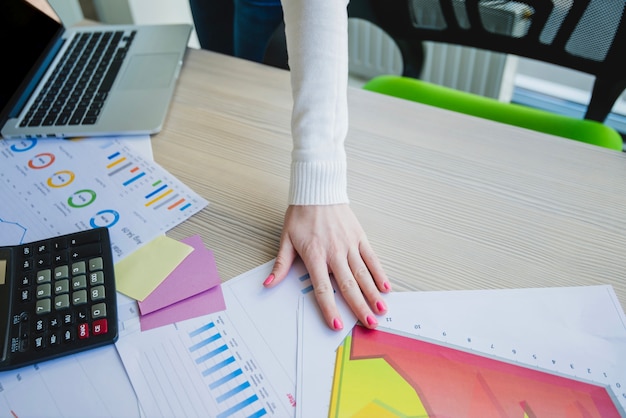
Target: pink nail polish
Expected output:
[269,279]
[337,324]
[387,286]
[371,321]
[380,305]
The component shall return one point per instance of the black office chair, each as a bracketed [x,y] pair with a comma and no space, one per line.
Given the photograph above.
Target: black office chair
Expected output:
[584,35]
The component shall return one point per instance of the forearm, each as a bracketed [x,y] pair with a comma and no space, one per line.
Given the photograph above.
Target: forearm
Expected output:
[317,43]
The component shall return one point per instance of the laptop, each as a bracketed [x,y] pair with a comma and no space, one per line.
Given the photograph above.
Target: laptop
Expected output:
[84,81]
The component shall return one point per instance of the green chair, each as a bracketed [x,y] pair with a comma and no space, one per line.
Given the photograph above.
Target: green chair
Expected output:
[584,35]
[585,130]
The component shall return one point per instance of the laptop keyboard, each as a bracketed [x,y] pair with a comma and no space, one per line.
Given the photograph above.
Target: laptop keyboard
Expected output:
[77,89]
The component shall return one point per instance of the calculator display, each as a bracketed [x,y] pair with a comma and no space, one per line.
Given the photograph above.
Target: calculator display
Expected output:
[3,271]
[5,300]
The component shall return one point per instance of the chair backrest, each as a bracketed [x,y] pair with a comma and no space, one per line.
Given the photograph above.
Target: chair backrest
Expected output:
[584,35]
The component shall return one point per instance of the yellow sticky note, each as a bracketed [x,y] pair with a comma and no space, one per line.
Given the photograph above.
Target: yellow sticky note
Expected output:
[138,274]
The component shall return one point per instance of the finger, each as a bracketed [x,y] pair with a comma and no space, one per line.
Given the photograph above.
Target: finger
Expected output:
[324,293]
[374,267]
[366,283]
[353,295]
[284,260]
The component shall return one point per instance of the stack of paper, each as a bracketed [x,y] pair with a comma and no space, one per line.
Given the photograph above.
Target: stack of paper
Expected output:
[172,281]
[270,344]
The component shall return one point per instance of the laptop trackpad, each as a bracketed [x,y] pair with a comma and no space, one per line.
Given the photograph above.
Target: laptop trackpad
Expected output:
[149,71]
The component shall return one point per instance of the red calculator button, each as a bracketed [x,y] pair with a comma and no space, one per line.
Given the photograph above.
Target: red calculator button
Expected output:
[100,326]
[83,331]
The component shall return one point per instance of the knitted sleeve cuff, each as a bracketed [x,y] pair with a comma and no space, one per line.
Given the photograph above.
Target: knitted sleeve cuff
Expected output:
[318,183]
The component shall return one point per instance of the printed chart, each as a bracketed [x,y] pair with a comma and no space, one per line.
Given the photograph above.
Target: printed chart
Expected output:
[429,380]
[55,186]
[510,352]
[240,362]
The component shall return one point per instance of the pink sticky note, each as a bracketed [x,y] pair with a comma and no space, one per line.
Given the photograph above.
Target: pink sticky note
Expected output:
[204,303]
[195,274]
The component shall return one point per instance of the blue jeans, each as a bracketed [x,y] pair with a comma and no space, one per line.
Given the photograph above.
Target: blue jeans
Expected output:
[242,28]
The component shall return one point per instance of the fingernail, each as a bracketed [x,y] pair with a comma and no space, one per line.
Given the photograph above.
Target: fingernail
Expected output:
[371,321]
[337,324]
[387,286]
[380,305]
[269,279]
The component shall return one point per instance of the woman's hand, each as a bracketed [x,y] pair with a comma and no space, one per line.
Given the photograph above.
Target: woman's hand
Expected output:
[330,239]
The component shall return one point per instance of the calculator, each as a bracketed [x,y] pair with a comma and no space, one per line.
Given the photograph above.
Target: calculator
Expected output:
[57,297]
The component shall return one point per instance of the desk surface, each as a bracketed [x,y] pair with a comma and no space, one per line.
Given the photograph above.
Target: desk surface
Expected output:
[448,201]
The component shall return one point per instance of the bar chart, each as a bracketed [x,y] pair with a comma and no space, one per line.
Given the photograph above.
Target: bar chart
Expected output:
[235,363]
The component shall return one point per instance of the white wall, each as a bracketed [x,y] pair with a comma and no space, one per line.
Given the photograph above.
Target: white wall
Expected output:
[144,12]
[69,11]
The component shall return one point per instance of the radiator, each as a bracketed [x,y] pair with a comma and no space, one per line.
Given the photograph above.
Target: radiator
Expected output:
[372,52]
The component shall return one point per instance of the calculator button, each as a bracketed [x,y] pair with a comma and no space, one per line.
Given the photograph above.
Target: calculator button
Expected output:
[59,243]
[53,339]
[39,342]
[95,264]
[27,251]
[27,264]
[27,280]
[40,325]
[44,276]
[62,302]
[81,315]
[61,272]
[100,327]
[67,319]
[54,322]
[96,278]
[97,293]
[83,331]
[99,310]
[42,306]
[42,248]
[68,336]
[79,282]
[43,291]
[79,297]
[42,261]
[60,258]
[79,268]
[61,286]
[25,295]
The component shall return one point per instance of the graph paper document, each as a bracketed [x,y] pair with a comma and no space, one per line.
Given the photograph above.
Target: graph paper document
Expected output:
[55,186]
[234,363]
[523,352]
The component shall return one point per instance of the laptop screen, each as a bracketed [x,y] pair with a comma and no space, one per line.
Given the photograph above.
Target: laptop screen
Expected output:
[28,30]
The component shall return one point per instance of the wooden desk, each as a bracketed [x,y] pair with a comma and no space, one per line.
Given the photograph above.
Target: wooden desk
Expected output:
[448,201]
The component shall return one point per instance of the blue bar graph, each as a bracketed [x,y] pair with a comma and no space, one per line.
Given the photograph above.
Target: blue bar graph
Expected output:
[306,278]
[225,378]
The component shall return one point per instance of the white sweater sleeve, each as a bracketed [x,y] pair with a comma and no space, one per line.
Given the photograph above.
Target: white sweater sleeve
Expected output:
[317,44]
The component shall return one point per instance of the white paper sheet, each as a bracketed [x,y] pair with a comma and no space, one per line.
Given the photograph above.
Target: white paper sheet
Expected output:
[93,383]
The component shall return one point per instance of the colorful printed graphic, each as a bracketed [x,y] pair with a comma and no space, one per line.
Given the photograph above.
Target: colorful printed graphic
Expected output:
[57,186]
[382,374]
[121,164]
